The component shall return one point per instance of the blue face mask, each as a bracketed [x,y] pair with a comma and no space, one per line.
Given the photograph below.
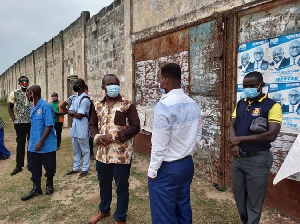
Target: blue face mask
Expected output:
[251,92]
[113,91]
[161,89]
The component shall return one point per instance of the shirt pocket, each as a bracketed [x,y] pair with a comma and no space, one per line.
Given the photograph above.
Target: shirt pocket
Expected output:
[120,118]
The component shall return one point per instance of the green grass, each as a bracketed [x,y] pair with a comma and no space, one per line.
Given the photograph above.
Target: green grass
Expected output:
[75,201]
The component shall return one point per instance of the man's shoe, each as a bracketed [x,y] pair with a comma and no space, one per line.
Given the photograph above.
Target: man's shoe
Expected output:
[119,222]
[82,174]
[96,218]
[72,172]
[36,190]
[49,186]
[16,170]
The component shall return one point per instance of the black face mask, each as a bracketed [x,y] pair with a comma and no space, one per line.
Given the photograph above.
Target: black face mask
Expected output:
[76,88]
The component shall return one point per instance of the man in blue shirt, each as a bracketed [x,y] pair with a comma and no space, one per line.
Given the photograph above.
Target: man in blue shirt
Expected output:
[42,143]
[79,110]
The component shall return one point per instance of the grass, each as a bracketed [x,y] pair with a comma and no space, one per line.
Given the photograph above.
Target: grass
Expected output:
[75,201]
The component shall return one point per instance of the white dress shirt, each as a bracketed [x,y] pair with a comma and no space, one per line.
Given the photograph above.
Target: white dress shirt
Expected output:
[177,128]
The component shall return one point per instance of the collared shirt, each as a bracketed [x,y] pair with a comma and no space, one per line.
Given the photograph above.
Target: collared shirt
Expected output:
[246,111]
[22,106]
[80,127]
[177,128]
[121,120]
[42,116]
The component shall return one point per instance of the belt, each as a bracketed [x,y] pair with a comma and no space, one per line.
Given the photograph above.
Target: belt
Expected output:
[251,154]
[179,159]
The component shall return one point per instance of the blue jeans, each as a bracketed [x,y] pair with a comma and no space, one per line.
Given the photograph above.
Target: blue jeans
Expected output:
[81,146]
[106,173]
[170,192]
[3,149]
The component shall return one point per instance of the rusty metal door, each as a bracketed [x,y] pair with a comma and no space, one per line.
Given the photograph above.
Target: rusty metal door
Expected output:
[206,74]
[199,52]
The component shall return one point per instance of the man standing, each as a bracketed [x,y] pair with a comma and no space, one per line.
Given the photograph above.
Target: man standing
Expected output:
[59,117]
[113,124]
[252,159]
[177,128]
[42,143]
[79,110]
[19,100]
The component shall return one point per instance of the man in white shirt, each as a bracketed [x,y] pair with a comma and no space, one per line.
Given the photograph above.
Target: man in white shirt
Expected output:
[177,128]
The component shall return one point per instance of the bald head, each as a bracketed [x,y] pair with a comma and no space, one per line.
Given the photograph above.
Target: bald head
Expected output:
[36,89]
[278,54]
[294,97]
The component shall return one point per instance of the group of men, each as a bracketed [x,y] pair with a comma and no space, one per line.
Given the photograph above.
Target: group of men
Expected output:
[176,134]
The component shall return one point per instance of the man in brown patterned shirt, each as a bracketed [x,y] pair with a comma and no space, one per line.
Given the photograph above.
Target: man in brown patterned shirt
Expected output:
[113,124]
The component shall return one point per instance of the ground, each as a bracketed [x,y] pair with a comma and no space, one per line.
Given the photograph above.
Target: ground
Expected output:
[75,201]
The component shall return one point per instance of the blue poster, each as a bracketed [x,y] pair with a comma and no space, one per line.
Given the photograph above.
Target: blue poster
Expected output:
[278,59]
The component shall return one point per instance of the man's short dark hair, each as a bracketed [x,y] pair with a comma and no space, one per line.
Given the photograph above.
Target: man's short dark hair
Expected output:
[171,70]
[54,94]
[255,74]
[107,76]
[22,77]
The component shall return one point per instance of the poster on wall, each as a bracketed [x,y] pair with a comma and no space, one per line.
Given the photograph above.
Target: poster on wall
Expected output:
[278,59]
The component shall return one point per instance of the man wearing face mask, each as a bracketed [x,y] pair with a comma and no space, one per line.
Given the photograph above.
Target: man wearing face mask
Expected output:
[252,158]
[113,124]
[58,115]
[177,130]
[42,144]
[79,110]
[18,100]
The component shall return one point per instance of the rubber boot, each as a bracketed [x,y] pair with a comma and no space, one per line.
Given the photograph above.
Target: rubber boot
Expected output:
[49,186]
[36,190]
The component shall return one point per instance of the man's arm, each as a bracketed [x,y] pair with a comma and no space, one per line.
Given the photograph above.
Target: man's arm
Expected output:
[160,139]
[274,125]
[84,105]
[63,106]
[40,144]
[134,125]
[93,123]
[11,111]
[232,133]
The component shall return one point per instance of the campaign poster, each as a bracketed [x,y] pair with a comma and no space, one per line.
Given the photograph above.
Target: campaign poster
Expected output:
[278,59]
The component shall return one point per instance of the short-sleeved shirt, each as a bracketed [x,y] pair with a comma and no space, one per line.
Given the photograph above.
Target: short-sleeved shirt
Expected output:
[42,116]
[80,126]
[247,110]
[22,106]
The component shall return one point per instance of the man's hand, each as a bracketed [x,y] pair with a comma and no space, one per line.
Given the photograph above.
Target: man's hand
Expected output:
[39,146]
[235,151]
[103,140]
[235,140]
[106,139]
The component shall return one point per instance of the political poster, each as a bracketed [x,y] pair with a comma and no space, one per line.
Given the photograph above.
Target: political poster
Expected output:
[278,59]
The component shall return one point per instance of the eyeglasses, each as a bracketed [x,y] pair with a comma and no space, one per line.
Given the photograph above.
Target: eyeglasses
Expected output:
[295,48]
[258,53]
[294,95]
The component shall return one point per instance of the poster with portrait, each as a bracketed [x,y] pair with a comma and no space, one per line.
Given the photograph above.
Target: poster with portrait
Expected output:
[278,59]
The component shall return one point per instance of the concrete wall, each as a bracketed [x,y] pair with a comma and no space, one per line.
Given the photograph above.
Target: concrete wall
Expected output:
[104,46]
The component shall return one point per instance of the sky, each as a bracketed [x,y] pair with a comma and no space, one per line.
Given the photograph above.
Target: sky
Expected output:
[26,24]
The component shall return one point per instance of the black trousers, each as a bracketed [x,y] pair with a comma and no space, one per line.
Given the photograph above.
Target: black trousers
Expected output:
[36,161]
[23,132]
[58,131]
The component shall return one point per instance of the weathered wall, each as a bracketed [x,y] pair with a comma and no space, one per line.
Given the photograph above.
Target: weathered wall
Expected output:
[170,14]
[40,69]
[105,47]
